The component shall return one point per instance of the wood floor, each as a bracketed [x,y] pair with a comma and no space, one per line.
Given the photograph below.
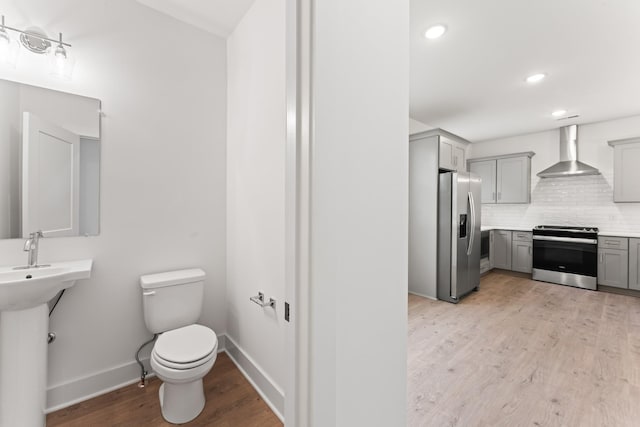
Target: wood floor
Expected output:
[525,353]
[231,402]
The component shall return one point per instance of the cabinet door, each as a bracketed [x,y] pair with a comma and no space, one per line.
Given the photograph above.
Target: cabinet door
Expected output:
[491,249]
[521,256]
[486,170]
[626,173]
[501,253]
[458,158]
[446,154]
[513,177]
[613,268]
[634,264]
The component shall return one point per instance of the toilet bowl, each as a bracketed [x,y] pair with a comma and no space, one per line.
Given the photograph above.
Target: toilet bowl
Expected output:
[184,351]
[181,358]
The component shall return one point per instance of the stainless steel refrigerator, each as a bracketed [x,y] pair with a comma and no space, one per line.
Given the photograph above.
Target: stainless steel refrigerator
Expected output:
[458,235]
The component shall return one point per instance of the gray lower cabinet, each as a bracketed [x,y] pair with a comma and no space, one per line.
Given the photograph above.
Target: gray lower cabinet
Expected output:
[501,249]
[522,252]
[613,267]
[634,264]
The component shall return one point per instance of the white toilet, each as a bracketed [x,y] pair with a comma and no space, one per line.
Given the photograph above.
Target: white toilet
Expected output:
[185,351]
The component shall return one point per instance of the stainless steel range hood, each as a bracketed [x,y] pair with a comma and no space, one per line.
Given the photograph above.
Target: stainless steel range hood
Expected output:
[568,164]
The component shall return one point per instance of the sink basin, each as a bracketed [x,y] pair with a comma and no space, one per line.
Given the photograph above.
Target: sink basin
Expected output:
[24,324]
[27,288]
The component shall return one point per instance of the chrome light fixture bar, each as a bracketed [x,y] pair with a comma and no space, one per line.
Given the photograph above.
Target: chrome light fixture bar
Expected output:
[32,38]
[35,40]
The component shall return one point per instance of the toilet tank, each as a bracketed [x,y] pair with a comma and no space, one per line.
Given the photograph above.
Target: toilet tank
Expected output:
[173,299]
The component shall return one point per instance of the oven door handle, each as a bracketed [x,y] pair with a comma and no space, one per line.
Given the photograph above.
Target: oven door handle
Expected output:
[566,239]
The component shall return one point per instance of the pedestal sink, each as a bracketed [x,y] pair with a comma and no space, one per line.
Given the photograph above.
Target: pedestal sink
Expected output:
[24,324]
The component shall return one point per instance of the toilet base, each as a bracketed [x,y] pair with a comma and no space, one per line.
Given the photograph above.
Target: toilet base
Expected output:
[181,403]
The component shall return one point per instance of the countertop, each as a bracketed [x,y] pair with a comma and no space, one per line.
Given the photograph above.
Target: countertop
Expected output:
[618,233]
[497,227]
[609,233]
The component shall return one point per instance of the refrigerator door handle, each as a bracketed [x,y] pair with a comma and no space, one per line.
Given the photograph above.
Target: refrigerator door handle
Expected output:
[472,205]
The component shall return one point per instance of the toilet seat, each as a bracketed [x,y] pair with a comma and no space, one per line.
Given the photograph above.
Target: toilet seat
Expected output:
[185,347]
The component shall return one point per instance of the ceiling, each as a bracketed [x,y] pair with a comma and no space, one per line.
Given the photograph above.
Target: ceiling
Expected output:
[219,17]
[471,80]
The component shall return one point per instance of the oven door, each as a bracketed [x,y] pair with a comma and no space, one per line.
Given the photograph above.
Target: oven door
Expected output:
[565,255]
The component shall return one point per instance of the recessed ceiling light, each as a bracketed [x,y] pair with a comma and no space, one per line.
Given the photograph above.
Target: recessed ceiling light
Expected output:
[435,31]
[559,113]
[535,78]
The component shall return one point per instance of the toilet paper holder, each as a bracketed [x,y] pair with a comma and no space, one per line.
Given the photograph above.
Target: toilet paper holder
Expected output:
[259,299]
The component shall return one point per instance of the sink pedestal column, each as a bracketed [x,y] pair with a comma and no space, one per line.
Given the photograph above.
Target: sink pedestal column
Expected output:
[23,366]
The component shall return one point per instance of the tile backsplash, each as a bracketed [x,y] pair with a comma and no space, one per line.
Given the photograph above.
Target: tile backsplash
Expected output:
[580,201]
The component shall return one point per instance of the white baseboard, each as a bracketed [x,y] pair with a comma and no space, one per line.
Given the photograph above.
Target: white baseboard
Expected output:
[76,391]
[264,385]
[71,392]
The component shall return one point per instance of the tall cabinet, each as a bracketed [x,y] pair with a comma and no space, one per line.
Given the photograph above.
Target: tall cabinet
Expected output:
[429,153]
[505,179]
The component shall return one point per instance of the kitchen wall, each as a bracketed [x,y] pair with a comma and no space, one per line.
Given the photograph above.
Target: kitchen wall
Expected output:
[163,176]
[415,126]
[567,201]
[255,195]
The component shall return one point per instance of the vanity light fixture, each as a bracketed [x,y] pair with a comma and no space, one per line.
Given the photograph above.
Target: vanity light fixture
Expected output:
[35,40]
[435,31]
[535,78]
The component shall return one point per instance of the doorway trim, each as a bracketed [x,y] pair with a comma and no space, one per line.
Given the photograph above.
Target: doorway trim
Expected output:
[297,207]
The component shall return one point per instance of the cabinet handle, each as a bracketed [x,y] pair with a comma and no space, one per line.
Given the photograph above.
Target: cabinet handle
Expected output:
[455,161]
[601,258]
[493,196]
[529,250]
[499,195]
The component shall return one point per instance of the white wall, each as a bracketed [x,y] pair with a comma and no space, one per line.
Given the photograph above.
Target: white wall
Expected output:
[162,178]
[359,211]
[255,192]
[415,126]
[567,201]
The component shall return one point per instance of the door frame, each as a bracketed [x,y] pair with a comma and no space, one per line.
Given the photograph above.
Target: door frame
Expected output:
[299,125]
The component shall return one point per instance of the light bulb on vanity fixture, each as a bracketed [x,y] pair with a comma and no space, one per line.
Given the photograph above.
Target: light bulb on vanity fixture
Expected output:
[62,62]
[9,48]
[35,40]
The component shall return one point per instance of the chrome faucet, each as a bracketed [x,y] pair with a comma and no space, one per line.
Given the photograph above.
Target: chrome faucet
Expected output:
[31,246]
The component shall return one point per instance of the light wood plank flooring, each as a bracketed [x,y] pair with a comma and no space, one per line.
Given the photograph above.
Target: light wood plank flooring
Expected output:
[231,402]
[525,353]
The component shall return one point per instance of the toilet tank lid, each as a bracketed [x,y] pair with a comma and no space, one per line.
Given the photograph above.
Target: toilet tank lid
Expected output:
[171,278]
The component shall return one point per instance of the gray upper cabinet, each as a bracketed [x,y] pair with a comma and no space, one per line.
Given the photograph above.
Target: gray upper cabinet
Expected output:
[613,261]
[486,170]
[505,179]
[626,173]
[634,264]
[451,154]
[514,180]
[501,249]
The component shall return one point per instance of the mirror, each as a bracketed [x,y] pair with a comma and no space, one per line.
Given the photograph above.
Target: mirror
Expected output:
[49,162]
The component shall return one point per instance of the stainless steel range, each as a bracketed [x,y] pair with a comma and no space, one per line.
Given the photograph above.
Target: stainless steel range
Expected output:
[566,255]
